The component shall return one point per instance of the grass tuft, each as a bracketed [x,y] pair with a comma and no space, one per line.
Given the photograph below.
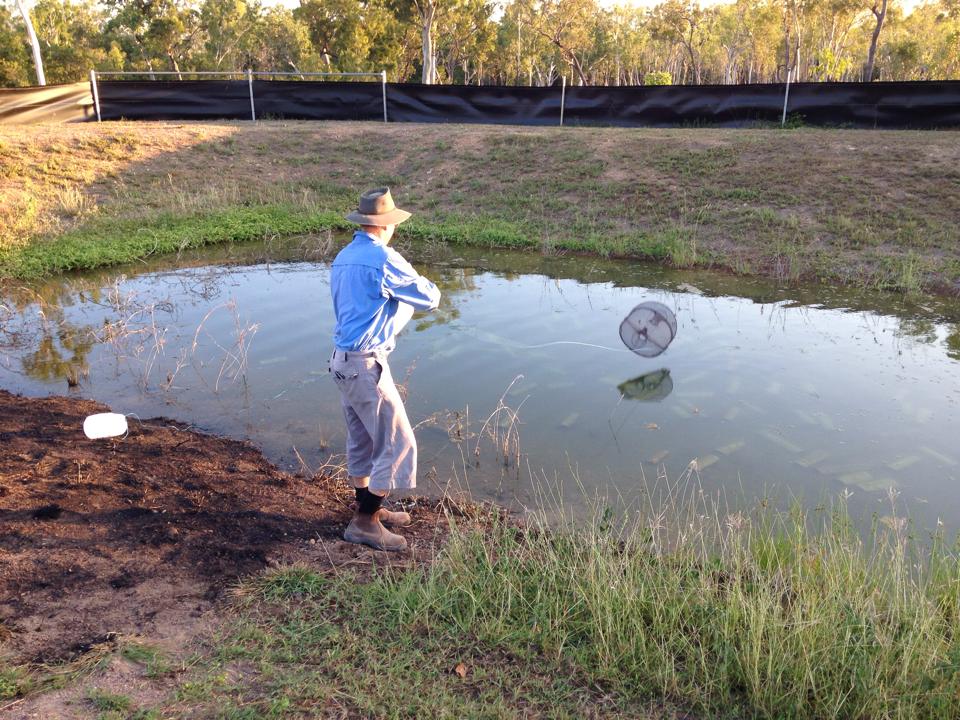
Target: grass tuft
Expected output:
[292,582]
[752,613]
[774,615]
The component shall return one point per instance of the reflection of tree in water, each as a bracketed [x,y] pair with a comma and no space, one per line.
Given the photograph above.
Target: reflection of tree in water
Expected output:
[60,355]
[53,348]
[953,342]
[918,329]
[452,283]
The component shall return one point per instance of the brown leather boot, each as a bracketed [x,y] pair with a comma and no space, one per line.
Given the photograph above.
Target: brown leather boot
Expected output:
[394,519]
[389,517]
[368,530]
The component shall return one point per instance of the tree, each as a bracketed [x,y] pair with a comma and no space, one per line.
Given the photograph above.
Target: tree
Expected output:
[683,22]
[879,10]
[226,25]
[467,36]
[568,25]
[281,42]
[34,43]
[428,16]
[338,31]
[73,41]
[154,30]
[14,59]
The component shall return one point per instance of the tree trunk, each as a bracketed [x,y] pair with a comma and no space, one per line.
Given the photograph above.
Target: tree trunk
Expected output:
[428,13]
[34,43]
[880,15]
[173,64]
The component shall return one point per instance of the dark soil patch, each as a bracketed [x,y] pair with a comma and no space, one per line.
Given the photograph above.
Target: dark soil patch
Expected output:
[142,535]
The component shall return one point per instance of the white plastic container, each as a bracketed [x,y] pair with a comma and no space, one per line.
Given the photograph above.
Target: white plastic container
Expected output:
[104,425]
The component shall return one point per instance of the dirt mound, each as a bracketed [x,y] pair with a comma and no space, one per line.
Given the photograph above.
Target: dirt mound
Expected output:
[142,534]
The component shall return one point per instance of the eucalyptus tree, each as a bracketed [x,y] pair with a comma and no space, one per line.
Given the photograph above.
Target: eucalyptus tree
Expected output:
[569,27]
[395,42]
[14,58]
[832,32]
[34,43]
[879,10]
[338,32]
[629,37]
[73,43]
[683,23]
[736,32]
[155,31]
[522,55]
[924,45]
[228,26]
[466,40]
[281,42]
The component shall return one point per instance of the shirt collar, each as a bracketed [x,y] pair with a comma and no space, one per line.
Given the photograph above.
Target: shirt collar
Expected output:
[364,235]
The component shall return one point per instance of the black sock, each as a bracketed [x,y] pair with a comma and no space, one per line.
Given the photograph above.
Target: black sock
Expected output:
[361,493]
[370,503]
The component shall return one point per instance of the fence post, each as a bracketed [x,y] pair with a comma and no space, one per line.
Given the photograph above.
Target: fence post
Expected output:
[253,112]
[95,93]
[563,98]
[383,84]
[786,97]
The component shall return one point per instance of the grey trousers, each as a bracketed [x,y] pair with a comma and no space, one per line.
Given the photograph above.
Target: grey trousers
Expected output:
[380,441]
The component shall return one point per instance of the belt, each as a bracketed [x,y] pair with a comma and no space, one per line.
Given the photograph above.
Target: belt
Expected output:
[345,355]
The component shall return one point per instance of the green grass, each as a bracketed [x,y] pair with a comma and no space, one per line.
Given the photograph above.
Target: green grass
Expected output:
[111,242]
[682,609]
[840,205]
[154,661]
[108,702]
[759,613]
[304,645]
[13,682]
[115,706]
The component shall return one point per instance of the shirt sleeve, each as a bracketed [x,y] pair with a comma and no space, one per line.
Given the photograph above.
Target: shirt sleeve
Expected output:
[402,282]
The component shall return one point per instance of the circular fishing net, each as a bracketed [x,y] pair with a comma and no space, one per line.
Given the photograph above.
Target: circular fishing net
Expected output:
[649,328]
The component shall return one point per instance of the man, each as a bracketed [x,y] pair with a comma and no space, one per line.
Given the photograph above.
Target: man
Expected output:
[375,292]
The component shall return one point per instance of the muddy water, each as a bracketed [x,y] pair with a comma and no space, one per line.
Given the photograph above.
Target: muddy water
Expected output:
[807,391]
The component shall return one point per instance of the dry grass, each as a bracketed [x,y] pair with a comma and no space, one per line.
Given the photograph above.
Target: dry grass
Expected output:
[881,207]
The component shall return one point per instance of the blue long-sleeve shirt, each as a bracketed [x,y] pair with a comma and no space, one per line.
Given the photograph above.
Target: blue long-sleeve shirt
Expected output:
[369,280]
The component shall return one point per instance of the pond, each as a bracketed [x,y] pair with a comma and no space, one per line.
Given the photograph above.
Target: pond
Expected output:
[520,380]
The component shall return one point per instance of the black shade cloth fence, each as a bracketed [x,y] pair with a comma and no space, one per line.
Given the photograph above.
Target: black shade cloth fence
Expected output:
[51,103]
[931,104]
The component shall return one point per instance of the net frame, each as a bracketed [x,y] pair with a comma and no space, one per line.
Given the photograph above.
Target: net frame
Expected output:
[636,327]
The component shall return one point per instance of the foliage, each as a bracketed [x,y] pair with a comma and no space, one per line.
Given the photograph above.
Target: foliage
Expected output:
[529,42]
[15,62]
[660,77]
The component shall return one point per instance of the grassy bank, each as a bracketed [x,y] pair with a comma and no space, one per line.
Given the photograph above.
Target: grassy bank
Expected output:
[748,614]
[873,208]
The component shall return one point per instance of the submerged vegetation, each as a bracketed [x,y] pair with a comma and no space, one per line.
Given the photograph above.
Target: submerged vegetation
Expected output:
[865,207]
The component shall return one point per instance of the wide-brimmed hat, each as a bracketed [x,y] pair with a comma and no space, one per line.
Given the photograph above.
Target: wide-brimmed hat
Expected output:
[376,208]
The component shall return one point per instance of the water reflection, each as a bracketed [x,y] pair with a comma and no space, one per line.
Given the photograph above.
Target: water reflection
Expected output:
[953,343]
[810,389]
[650,387]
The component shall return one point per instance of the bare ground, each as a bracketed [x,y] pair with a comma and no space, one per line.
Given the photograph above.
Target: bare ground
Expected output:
[146,534]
